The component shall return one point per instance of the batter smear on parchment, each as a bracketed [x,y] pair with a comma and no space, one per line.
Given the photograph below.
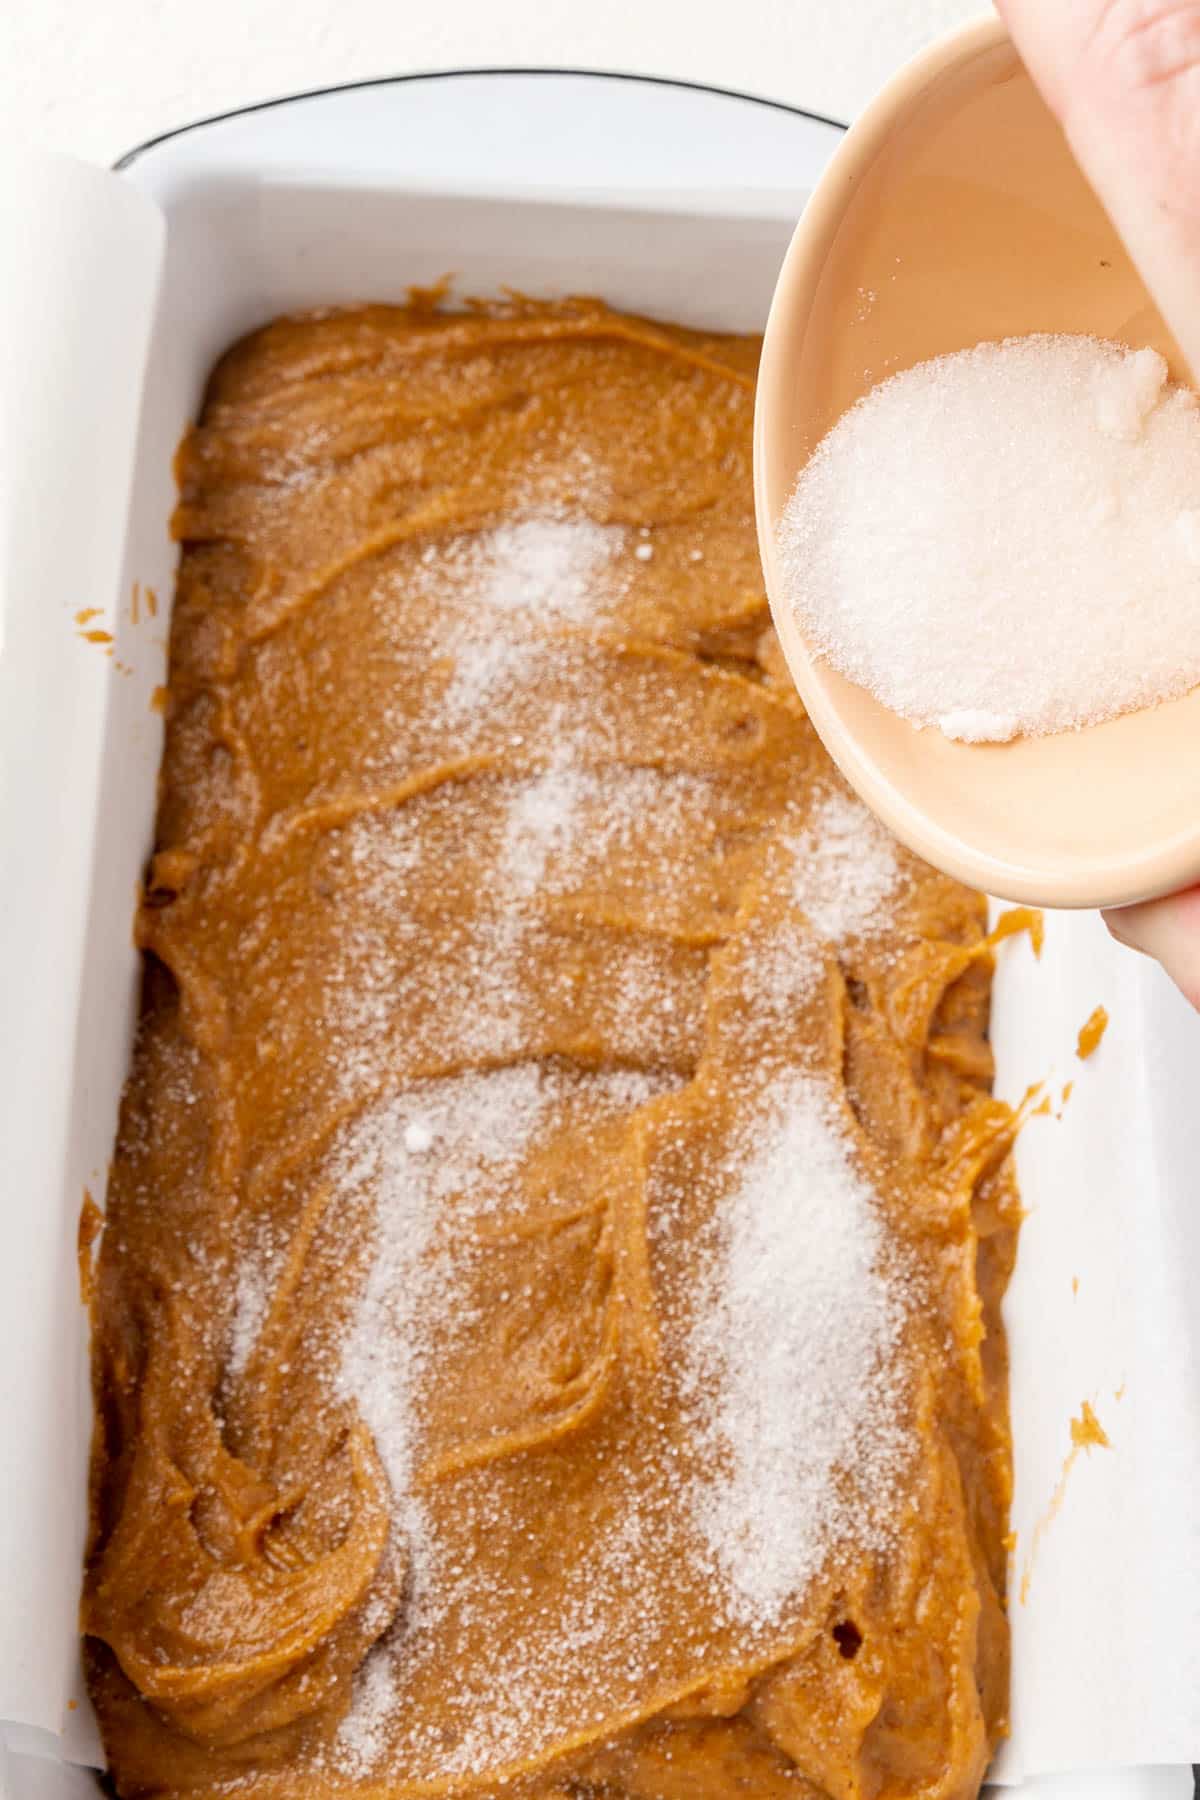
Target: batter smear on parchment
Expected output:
[546,1333]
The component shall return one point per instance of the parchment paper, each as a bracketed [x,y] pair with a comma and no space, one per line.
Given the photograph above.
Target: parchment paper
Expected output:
[82,254]
[1105,1603]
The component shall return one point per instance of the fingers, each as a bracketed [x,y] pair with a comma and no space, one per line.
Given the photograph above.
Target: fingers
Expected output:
[1050,38]
[1134,60]
[1167,930]
[1124,78]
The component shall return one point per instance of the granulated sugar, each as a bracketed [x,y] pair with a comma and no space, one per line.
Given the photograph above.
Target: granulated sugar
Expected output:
[435,1162]
[782,974]
[464,1138]
[542,818]
[791,1448]
[792,1359]
[471,1133]
[846,868]
[250,1298]
[526,1696]
[527,841]
[784,1352]
[512,582]
[541,1190]
[1004,540]
[359,1739]
[566,824]
[548,565]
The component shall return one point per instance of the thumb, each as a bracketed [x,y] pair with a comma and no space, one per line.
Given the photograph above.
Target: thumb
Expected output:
[1169,931]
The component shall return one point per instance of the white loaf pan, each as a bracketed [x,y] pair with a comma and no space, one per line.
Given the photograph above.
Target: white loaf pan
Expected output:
[663,198]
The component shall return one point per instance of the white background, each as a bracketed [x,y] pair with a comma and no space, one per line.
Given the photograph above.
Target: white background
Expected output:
[99,76]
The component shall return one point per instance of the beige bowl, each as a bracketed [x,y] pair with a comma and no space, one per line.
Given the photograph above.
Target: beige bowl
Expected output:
[952,213]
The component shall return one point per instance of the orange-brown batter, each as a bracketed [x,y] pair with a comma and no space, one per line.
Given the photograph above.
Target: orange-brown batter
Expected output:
[502,907]
[1091,1032]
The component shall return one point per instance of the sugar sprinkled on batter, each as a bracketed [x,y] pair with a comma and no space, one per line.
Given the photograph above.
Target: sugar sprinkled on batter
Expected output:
[579,1140]
[792,1358]
[846,869]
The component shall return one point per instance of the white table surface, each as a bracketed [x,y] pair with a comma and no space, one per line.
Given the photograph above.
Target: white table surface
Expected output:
[96,79]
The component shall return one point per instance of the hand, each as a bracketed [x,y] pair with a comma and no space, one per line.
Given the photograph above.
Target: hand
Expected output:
[1123,76]
[1169,931]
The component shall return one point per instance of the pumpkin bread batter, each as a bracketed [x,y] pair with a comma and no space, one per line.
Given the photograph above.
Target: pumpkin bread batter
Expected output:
[546,1333]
